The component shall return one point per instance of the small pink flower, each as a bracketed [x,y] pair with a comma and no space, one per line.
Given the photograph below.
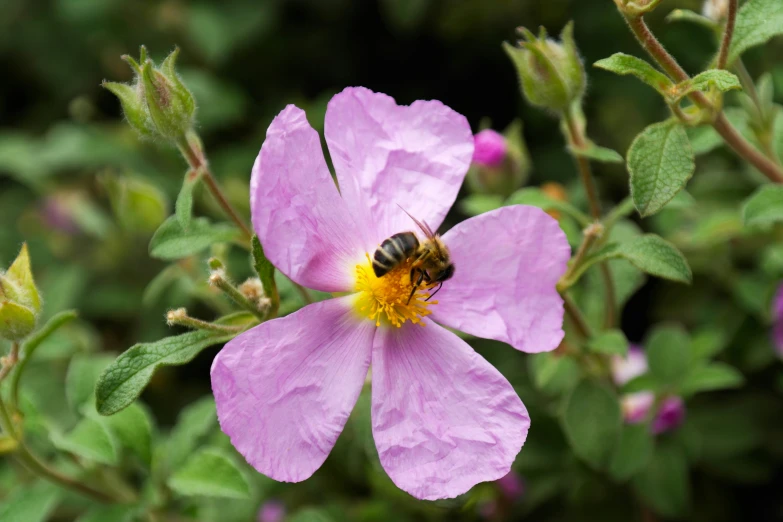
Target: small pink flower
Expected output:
[443,418]
[777,320]
[636,406]
[490,148]
[511,485]
[271,511]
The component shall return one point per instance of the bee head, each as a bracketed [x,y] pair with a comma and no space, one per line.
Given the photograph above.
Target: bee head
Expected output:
[444,274]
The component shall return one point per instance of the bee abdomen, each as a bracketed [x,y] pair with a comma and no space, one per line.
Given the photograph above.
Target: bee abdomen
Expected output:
[394,251]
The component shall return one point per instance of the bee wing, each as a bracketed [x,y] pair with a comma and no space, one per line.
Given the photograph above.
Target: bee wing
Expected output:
[425,228]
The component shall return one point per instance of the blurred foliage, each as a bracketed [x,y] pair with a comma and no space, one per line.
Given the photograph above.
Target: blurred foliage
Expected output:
[86,194]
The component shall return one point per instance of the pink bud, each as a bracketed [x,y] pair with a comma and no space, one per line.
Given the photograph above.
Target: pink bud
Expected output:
[511,485]
[490,148]
[271,511]
[670,415]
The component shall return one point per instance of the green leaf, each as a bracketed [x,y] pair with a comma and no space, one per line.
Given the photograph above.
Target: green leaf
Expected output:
[610,342]
[210,472]
[91,440]
[764,206]
[668,351]
[660,163]
[128,375]
[537,198]
[633,452]
[650,253]
[83,373]
[171,241]
[108,514]
[717,78]
[20,278]
[195,422]
[132,428]
[183,208]
[644,382]
[16,321]
[664,484]
[621,63]
[30,504]
[554,373]
[757,21]
[594,152]
[714,376]
[592,420]
[310,515]
[266,273]
[475,204]
[686,15]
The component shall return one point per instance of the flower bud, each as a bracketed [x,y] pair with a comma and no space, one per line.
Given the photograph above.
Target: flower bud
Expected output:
[272,511]
[156,103]
[500,161]
[550,72]
[777,320]
[20,302]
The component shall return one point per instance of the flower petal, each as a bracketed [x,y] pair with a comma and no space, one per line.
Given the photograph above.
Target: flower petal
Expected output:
[507,263]
[387,155]
[284,389]
[303,223]
[443,418]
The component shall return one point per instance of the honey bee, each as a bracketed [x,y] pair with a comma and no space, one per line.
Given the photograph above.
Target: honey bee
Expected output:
[431,258]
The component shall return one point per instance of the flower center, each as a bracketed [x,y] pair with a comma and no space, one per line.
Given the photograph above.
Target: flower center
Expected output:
[388,296]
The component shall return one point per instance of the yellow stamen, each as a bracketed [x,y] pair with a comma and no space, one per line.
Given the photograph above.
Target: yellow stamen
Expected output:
[387,297]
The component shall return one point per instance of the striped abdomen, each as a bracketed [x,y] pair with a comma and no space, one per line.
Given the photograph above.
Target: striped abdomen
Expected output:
[394,251]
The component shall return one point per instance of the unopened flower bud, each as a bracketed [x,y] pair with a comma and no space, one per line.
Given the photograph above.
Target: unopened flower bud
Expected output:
[20,302]
[550,72]
[500,161]
[156,103]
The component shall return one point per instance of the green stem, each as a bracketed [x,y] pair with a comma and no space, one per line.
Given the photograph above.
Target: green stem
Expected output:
[32,344]
[729,134]
[728,33]
[576,317]
[195,158]
[181,317]
[219,280]
[303,292]
[591,235]
[9,361]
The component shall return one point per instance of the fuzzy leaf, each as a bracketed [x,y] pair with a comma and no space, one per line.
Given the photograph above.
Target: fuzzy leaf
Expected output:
[183,208]
[594,152]
[83,372]
[210,472]
[30,504]
[714,376]
[16,320]
[610,342]
[171,241]
[668,351]
[633,451]
[664,484]
[757,22]
[651,254]
[20,276]
[195,421]
[132,427]
[764,206]
[718,78]
[91,440]
[592,420]
[660,163]
[621,63]
[128,375]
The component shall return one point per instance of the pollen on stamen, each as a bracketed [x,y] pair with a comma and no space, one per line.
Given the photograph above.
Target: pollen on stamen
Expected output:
[385,299]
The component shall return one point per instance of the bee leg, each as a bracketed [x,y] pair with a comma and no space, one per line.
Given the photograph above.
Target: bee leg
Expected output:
[422,275]
[435,292]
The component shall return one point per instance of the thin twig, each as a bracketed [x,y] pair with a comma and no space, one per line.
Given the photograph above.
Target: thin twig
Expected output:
[9,361]
[197,162]
[729,134]
[728,33]
[576,317]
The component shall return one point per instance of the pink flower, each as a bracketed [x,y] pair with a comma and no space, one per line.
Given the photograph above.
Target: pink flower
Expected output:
[490,148]
[777,320]
[272,511]
[636,406]
[443,418]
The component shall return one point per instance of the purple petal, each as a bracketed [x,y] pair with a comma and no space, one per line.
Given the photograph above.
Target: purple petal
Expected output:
[285,388]
[304,225]
[443,418]
[508,262]
[490,148]
[629,367]
[636,406]
[670,415]
[387,155]
[272,511]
